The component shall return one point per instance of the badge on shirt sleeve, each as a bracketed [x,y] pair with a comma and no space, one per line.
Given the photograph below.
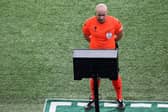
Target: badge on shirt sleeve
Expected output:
[109,35]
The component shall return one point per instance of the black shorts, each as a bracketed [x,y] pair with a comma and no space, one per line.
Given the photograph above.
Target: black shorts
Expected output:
[117,47]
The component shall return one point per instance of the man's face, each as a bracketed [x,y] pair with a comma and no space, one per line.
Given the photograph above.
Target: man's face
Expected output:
[101,16]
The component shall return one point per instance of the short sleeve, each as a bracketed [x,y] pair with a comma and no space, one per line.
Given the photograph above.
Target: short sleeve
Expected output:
[85,28]
[118,27]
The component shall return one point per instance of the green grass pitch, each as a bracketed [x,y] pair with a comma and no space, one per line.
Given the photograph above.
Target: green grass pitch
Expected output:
[36,42]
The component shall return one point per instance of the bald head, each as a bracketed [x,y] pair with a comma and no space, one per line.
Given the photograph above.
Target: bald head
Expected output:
[101,12]
[100,7]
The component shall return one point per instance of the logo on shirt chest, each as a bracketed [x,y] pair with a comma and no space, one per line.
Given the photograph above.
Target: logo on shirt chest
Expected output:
[109,35]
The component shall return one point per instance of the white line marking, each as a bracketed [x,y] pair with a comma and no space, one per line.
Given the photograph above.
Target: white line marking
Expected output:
[142,105]
[110,105]
[162,105]
[53,105]
[134,101]
[81,104]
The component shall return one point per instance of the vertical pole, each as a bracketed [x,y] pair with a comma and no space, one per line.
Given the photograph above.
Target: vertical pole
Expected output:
[96,93]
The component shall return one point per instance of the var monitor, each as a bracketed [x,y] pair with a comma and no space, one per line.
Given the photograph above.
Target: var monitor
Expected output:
[88,63]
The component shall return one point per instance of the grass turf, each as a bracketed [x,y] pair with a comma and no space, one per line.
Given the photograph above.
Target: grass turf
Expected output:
[37,38]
